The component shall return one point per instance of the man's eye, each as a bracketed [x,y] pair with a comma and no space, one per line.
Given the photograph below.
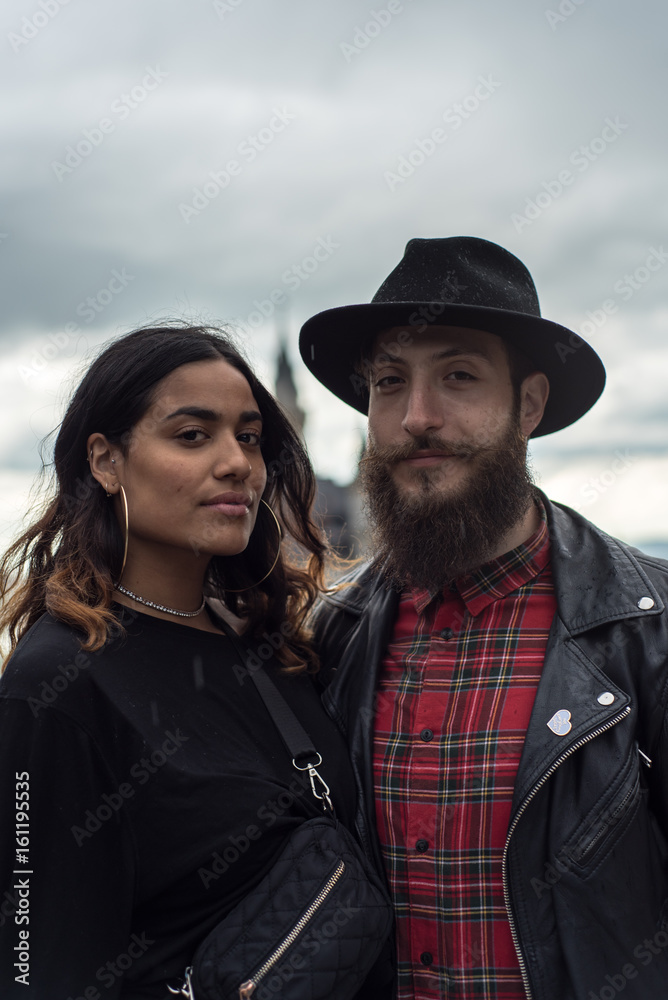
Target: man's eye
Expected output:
[385,380]
[460,375]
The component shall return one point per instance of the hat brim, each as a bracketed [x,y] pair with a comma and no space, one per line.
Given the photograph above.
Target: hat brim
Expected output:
[332,344]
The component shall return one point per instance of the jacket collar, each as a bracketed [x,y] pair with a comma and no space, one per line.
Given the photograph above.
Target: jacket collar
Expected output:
[355,588]
[596,578]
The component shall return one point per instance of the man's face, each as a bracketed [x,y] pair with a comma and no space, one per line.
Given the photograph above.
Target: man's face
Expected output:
[446,385]
[445,472]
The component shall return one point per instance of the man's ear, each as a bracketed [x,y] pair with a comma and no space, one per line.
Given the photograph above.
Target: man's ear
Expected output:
[103,459]
[533,398]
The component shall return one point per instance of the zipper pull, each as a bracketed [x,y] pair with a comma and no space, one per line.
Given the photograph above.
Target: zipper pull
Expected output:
[246,989]
[645,759]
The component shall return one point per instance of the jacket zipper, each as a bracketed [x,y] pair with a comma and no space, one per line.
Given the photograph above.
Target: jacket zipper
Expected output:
[248,987]
[504,865]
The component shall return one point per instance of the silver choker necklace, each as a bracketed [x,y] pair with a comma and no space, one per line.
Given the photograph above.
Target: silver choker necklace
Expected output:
[161,607]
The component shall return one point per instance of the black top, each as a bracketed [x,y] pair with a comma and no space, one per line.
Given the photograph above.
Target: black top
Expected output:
[159,793]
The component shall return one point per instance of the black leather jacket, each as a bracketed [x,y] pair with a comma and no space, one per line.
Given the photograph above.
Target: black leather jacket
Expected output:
[586,859]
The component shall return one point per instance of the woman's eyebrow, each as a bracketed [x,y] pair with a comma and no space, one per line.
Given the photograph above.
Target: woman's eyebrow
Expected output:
[205,414]
[249,415]
[194,411]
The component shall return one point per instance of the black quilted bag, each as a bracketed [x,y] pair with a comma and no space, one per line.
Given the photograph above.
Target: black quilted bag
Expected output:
[311,929]
[316,923]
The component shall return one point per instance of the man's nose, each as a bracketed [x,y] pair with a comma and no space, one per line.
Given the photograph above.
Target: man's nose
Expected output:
[424,410]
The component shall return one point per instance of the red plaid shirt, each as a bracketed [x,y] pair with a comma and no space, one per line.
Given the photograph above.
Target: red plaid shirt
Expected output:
[456,690]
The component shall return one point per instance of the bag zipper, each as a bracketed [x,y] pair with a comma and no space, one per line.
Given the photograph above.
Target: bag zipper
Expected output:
[248,987]
[536,788]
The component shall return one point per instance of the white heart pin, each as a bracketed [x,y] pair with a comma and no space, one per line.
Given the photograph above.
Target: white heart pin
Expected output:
[560,723]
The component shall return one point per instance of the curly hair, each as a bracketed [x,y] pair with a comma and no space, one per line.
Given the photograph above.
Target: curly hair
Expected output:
[66,562]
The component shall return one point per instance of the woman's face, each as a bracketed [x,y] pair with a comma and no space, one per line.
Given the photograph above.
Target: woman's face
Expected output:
[193,472]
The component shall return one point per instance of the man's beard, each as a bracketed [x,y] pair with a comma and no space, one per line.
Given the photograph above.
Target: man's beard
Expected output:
[427,538]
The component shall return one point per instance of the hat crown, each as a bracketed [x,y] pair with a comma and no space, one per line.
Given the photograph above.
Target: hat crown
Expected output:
[461,270]
[464,282]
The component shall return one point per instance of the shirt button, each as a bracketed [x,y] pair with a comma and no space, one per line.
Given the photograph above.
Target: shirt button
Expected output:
[422,846]
[447,633]
[426,958]
[426,735]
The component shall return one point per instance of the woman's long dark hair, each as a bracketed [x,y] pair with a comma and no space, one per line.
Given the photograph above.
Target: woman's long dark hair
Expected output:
[67,561]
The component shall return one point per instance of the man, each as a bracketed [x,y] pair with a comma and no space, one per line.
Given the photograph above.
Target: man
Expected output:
[500,668]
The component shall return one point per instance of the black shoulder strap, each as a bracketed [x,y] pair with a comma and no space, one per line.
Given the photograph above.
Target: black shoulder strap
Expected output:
[304,755]
[293,733]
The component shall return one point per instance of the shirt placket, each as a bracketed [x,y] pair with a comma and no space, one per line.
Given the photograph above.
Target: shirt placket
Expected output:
[427,811]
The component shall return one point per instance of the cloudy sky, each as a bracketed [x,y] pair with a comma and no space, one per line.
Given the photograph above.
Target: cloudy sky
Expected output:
[171,158]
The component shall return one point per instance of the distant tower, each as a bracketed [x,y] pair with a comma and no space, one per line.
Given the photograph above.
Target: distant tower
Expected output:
[337,508]
[286,390]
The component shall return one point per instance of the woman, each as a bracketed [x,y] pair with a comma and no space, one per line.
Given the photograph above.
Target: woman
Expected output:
[150,786]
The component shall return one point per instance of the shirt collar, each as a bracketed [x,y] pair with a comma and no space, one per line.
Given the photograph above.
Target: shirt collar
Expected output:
[498,577]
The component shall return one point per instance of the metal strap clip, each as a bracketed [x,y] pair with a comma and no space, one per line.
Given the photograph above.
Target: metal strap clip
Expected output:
[319,786]
[186,989]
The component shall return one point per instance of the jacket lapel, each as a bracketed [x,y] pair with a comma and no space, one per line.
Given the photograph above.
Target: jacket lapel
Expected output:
[597,582]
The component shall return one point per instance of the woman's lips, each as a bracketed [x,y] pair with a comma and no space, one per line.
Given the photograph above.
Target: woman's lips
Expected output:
[232,504]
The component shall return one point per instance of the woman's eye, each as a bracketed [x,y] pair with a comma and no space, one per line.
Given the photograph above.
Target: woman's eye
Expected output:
[250,437]
[191,434]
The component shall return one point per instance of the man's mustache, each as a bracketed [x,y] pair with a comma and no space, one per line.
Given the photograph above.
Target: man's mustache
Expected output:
[392,453]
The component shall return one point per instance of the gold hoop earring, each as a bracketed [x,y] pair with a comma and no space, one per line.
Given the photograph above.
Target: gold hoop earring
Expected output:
[127,532]
[273,565]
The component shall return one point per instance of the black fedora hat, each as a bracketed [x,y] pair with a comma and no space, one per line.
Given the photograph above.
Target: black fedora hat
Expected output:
[466,282]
